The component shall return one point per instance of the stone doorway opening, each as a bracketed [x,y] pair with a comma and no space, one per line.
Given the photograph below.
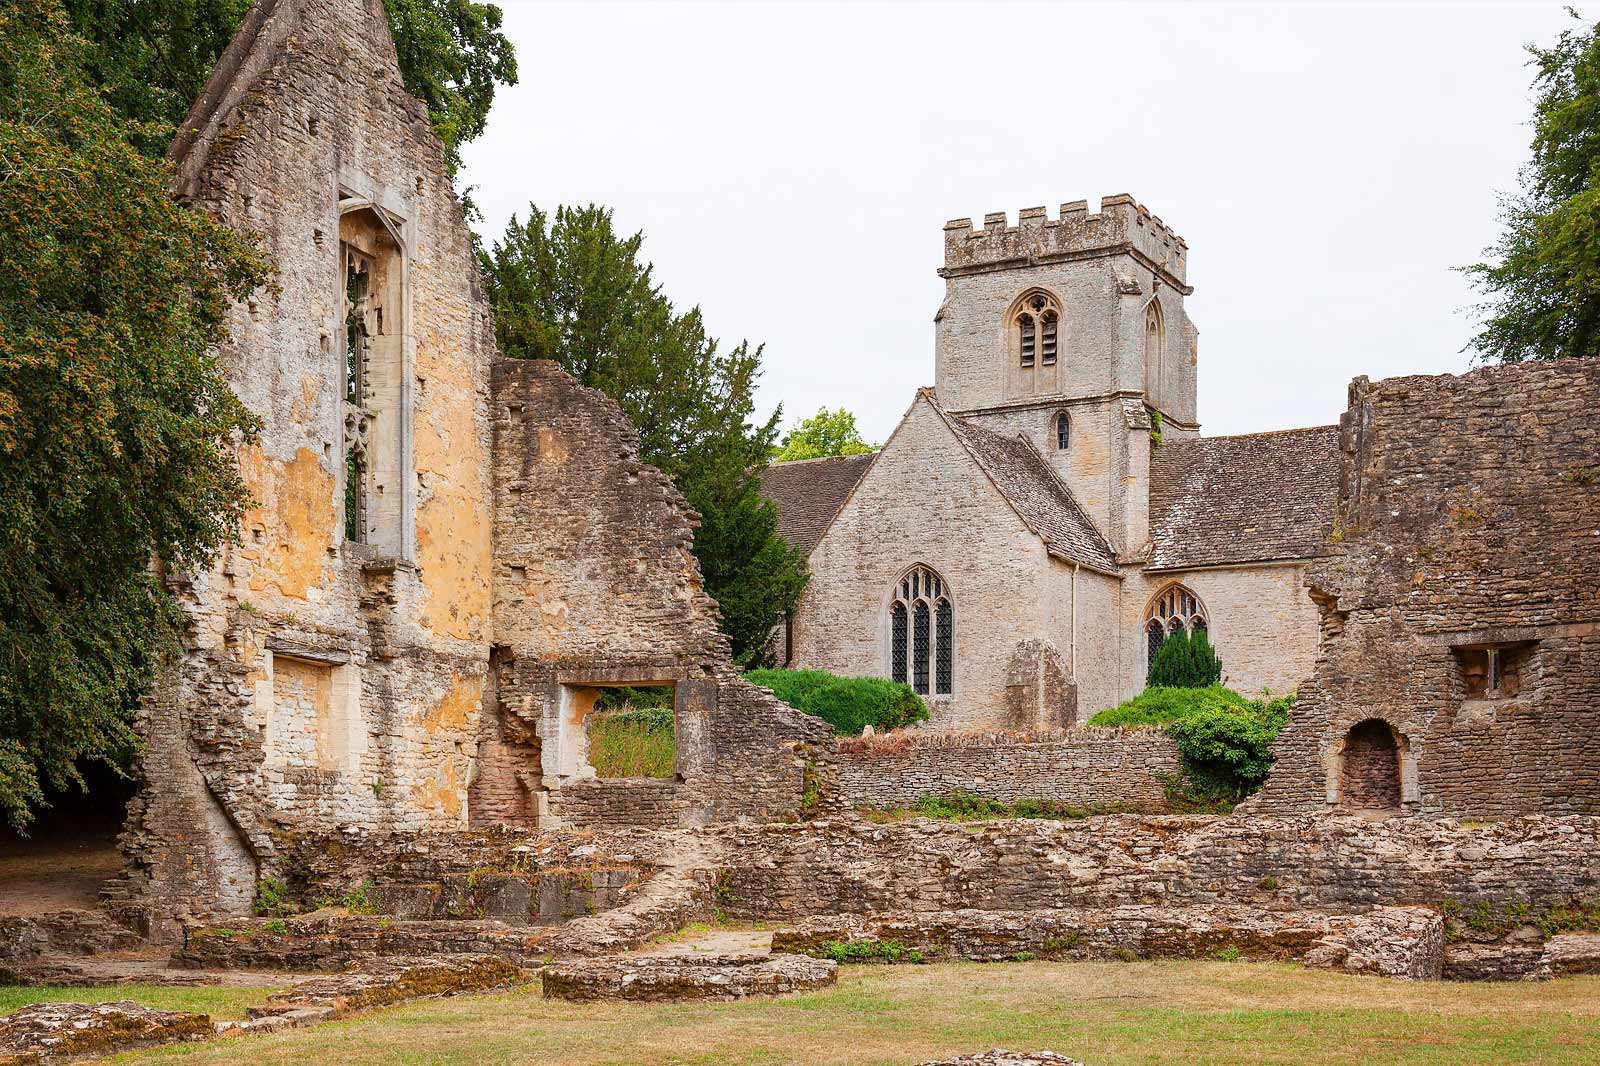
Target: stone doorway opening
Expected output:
[1370,776]
[70,851]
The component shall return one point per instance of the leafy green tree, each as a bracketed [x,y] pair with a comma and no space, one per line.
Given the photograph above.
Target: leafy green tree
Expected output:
[154,56]
[1185,662]
[573,290]
[116,421]
[823,434]
[1543,285]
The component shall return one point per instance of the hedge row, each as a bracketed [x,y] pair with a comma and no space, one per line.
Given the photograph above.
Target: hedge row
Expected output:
[849,704]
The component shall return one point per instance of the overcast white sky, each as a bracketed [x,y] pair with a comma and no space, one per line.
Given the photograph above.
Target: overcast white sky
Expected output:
[792,165]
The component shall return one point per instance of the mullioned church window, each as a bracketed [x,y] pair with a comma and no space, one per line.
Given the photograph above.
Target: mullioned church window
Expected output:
[922,633]
[1175,609]
[1036,324]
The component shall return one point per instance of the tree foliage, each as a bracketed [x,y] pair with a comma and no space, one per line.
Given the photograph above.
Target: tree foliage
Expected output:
[1185,662]
[154,57]
[1543,281]
[573,290]
[116,421]
[825,433]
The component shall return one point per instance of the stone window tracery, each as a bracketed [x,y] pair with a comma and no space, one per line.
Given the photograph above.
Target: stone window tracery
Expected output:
[1036,324]
[922,633]
[1176,608]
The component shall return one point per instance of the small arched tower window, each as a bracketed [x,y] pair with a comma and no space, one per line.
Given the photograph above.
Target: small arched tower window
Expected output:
[1155,342]
[1063,431]
[1176,608]
[922,626]
[1036,324]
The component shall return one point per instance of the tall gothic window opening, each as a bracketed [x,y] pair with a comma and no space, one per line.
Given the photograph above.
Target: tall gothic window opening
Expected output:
[1036,323]
[1175,609]
[357,279]
[1063,431]
[377,461]
[1155,342]
[922,633]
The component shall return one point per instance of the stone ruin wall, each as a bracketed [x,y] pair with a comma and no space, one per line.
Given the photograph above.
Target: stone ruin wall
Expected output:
[596,585]
[1339,865]
[324,681]
[326,684]
[1470,515]
[1097,769]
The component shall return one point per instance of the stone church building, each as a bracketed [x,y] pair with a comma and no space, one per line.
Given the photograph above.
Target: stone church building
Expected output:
[1045,515]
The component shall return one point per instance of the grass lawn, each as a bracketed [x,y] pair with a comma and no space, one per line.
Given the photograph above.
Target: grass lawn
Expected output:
[219,1002]
[1106,1014]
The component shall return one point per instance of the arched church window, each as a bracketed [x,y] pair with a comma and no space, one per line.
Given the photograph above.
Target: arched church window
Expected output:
[1155,342]
[922,633]
[1063,431]
[1035,322]
[1175,609]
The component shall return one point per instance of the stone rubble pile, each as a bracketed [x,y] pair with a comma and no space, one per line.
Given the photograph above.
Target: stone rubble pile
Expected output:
[45,1033]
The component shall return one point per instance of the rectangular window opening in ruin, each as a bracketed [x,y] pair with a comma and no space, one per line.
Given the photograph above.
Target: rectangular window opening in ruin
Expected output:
[1492,671]
[627,731]
[376,446]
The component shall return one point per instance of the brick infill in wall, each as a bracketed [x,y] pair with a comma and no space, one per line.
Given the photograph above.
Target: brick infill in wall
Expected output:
[1089,767]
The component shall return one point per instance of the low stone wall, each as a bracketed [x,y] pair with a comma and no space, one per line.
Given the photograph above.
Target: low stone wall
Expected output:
[1322,863]
[1099,769]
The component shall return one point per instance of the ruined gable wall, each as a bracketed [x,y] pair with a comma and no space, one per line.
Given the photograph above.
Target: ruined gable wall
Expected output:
[924,500]
[1469,514]
[595,584]
[321,686]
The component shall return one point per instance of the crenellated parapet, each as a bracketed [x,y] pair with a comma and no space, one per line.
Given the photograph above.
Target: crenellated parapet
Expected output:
[1121,225]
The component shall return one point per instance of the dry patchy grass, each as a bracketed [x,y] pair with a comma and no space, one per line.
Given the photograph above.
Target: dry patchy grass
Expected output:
[218,1001]
[1107,1014]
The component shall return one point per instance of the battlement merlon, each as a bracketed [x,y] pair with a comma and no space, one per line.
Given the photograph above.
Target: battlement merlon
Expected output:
[1121,225]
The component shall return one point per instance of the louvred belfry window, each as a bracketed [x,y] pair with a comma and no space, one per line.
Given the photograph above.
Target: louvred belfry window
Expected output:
[1035,322]
[922,633]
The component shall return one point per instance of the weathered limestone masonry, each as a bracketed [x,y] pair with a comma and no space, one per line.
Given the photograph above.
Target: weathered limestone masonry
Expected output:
[595,585]
[1092,768]
[1319,863]
[424,553]
[1459,671]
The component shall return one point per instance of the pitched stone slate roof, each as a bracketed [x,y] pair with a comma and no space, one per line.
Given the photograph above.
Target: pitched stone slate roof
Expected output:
[1253,498]
[809,494]
[1037,494]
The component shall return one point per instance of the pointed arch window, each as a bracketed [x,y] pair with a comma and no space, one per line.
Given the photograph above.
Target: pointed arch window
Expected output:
[1175,609]
[1155,342]
[1063,431]
[1035,323]
[922,633]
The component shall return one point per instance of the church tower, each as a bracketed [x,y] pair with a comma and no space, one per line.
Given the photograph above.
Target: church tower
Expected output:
[1073,332]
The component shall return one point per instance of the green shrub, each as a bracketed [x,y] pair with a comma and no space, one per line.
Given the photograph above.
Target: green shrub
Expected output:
[849,704]
[791,686]
[1223,740]
[633,742]
[1185,662]
[1161,705]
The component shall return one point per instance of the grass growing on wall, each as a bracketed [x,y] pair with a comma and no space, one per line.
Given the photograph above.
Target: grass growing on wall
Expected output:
[631,741]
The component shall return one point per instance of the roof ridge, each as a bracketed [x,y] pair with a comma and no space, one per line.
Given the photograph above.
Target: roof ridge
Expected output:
[821,459]
[1258,433]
